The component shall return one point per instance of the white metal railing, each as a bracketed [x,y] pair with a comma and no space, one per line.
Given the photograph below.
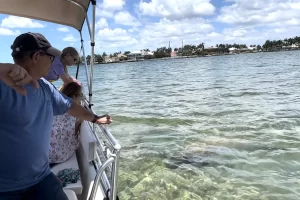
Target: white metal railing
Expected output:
[108,154]
[107,159]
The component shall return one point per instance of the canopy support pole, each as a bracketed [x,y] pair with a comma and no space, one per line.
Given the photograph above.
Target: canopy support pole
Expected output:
[92,53]
[85,62]
[78,64]
[88,25]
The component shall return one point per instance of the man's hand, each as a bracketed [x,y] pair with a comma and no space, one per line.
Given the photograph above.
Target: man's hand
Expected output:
[16,77]
[104,120]
[78,111]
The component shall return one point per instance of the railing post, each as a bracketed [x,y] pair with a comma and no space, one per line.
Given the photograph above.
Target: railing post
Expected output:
[115,175]
[98,177]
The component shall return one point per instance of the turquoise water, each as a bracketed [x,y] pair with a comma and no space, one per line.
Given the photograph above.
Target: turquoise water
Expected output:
[208,128]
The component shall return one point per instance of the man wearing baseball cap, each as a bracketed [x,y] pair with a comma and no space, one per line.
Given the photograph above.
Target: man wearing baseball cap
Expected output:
[28,104]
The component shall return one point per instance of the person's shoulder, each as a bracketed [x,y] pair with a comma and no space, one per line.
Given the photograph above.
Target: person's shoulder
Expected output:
[57,62]
[43,81]
[46,84]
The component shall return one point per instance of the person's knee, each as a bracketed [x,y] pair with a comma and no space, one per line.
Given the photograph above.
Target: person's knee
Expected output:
[48,189]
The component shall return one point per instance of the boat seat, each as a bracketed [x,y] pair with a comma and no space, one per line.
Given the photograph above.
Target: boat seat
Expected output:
[71,163]
[70,194]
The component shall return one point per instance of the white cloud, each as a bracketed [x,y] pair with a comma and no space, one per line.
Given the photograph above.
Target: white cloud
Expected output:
[62,29]
[101,23]
[257,12]
[114,39]
[250,36]
[155,35]
[105,13]
[177,28]
[133,29]
[176,9]
[236,32]
[116,34]
[125,18]
[70,38]
[5,31]
[112,4]
[20,22]
[243,21]
[108,7]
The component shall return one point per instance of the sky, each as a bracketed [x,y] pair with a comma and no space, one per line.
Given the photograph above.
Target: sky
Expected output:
[132,25]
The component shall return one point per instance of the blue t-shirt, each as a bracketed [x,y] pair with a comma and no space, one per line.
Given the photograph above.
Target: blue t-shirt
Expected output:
[25,128]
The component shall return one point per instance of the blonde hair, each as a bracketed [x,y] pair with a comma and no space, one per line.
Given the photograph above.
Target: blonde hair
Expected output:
[69,50]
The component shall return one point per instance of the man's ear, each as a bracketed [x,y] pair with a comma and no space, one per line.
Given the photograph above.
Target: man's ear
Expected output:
[35,57]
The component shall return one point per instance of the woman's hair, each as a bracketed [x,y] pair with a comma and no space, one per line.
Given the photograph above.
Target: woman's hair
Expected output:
[69,50]
[71,89]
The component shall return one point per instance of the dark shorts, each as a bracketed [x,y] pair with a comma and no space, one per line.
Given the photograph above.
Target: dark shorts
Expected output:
[48,189]
[51,165]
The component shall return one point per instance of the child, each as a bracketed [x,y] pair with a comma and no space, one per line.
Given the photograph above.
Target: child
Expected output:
[64,135]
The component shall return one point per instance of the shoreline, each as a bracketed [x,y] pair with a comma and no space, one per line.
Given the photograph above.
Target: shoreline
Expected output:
[194,56]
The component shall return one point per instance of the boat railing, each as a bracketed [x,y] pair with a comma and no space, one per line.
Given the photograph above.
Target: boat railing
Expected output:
[107,159]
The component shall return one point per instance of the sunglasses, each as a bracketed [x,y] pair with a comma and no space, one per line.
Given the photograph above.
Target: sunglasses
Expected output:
[75,59]
[42,53]
[47,54]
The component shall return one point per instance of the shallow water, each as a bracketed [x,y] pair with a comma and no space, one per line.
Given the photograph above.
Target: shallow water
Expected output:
[205,128]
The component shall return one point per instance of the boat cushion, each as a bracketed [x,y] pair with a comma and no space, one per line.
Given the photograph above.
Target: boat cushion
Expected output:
[70,194]
[71,163]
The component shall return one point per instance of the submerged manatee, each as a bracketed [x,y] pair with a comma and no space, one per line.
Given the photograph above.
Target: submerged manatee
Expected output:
[199,155]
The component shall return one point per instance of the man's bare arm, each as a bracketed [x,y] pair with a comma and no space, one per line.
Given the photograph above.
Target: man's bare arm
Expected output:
[78,111]
[15,77]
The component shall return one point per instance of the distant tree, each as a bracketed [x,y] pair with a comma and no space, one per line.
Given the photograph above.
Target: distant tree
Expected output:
[104,54]
[81,59]
[201,46]
[259,47]
[98,58]
[127,52]
[88,59]
[162,52]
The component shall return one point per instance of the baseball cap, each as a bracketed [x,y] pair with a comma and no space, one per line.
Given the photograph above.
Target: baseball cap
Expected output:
[33,42]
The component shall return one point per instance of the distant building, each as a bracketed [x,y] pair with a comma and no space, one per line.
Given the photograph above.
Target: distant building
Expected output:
[138,55]
[147,53]
[108,59]
[174,54]
[211,50]
[252,48]
[121,56]
[293,46]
